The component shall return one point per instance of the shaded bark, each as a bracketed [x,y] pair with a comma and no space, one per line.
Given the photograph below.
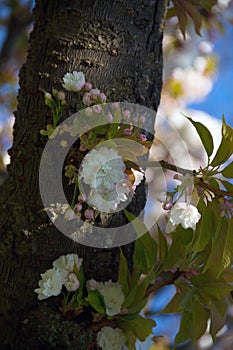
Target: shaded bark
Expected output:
[117,44]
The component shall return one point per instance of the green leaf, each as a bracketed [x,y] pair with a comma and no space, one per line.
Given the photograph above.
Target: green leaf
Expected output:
[181,239]
[204,228]
[208,4]
[184,8]
[194,319]
[138,307]
[174,306]
[222,248]
[140,326]
[194,14]
[123,273]
[182,16]
[96,300]
[186,326]
[175,255]
[81,277]
[225,149]
[139,293]
[205,136]
[228,171]
[162,247]
[217,317]
[227,257]
[200,319]
[138,225]
[209,287]
[145,248]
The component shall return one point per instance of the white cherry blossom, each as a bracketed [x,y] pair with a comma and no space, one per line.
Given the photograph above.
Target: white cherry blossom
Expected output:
[112,293]
[111,338]
[183,213]
[74,81]
[50,284]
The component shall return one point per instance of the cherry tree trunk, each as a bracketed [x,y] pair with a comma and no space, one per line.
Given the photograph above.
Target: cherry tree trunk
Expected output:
[118,45]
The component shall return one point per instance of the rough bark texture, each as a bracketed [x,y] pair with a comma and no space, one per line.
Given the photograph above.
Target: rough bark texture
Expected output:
[117,44]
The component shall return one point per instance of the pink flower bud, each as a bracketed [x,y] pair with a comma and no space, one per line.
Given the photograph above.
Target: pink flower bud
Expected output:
[167,205]
[109,117]
[94,94]
[48,96]
[142,137]
[78,207]
[61,96]
[87,86]
[82,197]
[127,132]
[97,108]
[94,97]
[87,99]
[142,119]
[72,283]
[135,120]
[89,214]
[102,97]
[115,105]
[126,113]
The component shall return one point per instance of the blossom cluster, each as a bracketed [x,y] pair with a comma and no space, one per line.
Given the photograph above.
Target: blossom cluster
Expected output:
[114,339]
[76,82]
[103,170]
[64,272]
[112,293]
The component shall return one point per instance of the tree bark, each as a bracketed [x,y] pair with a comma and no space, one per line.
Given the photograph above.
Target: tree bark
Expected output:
[117,44]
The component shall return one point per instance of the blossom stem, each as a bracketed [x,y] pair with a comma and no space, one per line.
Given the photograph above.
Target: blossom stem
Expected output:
[201,183]
[168,166]
[74,196]
[218,192]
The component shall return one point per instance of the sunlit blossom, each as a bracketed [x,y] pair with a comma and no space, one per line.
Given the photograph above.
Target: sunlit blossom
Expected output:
[102,169]
[51,283]
[73,81]
[183,213]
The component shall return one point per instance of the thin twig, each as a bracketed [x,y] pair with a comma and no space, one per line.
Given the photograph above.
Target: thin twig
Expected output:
[154,287]
[168,166]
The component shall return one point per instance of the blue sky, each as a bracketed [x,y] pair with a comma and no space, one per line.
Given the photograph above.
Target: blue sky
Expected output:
[220,99]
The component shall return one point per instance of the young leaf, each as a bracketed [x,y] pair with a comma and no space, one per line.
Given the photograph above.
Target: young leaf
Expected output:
[186,327]
[205,136]
[140,326]
[200,319]
[145,248]
[182,16]
[96,300]
[228,171]
[140,294]
[175,254]
[204,227]
[137,308]
[162,247]
[222,248]
[123,273]
[174,306]
[217,318]
[225,149]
